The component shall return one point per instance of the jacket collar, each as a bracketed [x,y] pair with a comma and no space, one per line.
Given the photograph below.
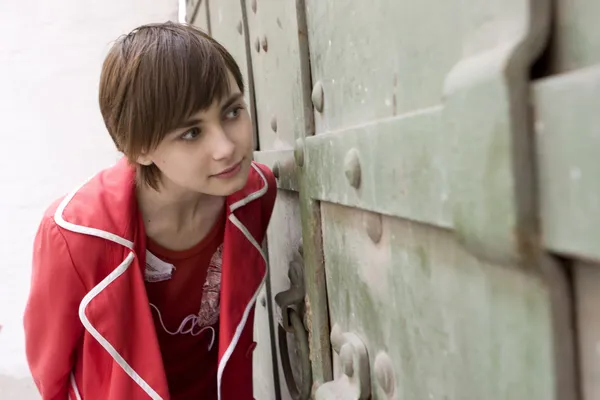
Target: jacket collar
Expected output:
[111,193]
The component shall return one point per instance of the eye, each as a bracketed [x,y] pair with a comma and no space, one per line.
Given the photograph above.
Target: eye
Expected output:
[191,134]
[234,112]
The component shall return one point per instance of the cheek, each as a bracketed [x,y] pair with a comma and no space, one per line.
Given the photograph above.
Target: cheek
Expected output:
[243,134]
[173,163]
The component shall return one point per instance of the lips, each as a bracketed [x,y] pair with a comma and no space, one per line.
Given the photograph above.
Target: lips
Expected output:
[229,171]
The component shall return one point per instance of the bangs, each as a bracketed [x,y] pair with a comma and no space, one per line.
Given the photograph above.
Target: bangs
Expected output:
[190,75]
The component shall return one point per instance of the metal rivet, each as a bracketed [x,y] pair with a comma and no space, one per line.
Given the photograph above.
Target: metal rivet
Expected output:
[239,27]
[263,301]
[374,226]
[317,96]
[384,373]
[265,44]
[274,123]
[254,6]
[347,359]
[299,152]
[352,168]
[276,170]
[257,45]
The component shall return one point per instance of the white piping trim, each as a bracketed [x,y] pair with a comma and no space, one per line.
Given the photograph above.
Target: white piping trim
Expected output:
[234,220]
[105,343]
[252,196]
[242,324]
[75,388]
[58,217]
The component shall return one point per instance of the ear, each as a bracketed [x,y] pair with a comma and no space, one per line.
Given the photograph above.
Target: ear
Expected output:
[144,159]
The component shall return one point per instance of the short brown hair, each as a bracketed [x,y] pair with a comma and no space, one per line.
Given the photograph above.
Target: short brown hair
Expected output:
[156,77]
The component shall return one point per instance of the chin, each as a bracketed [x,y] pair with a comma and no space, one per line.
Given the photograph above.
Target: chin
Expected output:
[233,185]
[237,185]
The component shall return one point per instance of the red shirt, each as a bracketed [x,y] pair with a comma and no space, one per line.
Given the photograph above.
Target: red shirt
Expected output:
[185,308]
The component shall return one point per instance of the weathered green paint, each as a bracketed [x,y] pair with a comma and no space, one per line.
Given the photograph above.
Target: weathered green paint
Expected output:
[576,40]
[437,112]
[403,161]
[482,75]
[283,161]
[454,327]
[197,14]
[316,288]
[282,91]
[566,125]
[487,113]
[567,120]
[279,83]
[587,280]
[380,59]
[416,195]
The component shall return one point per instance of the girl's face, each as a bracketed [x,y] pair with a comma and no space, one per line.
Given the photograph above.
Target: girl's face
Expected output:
[212,152]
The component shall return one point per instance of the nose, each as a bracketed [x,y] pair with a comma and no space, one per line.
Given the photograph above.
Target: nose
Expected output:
[223,146]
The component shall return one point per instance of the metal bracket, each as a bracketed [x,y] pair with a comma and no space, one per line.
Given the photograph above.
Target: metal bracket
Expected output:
[355,381]
[294,296]
[291,304]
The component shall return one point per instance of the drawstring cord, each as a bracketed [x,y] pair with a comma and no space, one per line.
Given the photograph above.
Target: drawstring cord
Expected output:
[182,330]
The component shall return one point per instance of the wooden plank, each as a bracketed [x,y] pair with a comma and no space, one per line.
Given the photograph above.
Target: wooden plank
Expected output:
[587,284]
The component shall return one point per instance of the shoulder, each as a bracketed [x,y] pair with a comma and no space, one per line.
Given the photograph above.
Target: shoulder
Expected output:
[66,256]
[62,240]
[50,239]
[52,255]
[53,242]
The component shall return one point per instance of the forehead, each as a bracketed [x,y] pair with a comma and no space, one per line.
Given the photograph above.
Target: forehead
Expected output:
[231,91]
[219,103]
[233,88]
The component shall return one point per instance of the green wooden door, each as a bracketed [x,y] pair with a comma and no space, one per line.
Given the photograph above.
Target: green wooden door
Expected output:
[436,164]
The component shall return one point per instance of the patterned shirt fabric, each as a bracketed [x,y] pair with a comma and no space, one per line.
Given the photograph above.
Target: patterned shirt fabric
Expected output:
[185,307]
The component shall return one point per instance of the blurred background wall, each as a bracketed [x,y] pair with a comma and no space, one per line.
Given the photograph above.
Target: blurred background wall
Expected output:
[52,136]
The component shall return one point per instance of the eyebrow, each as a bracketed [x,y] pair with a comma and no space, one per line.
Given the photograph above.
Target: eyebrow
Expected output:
[232,99]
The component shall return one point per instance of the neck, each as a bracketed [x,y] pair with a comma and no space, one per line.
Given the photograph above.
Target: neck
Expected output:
[175,210]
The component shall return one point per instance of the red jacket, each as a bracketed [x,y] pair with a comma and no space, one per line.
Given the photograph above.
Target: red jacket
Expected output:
[89,329]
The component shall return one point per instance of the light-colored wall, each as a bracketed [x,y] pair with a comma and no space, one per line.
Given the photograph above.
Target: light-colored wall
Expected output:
[51,133]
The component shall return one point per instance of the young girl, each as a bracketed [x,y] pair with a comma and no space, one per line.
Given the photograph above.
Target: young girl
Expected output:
[145,277]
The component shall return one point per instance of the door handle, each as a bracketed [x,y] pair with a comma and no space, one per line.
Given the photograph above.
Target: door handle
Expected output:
[355,381]
[290,303]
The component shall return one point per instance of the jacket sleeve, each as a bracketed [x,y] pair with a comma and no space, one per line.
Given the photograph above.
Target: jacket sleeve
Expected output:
[51,321]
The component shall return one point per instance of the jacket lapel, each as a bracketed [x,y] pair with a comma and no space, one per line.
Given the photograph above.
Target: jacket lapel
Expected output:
[115,311]
[244,266]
